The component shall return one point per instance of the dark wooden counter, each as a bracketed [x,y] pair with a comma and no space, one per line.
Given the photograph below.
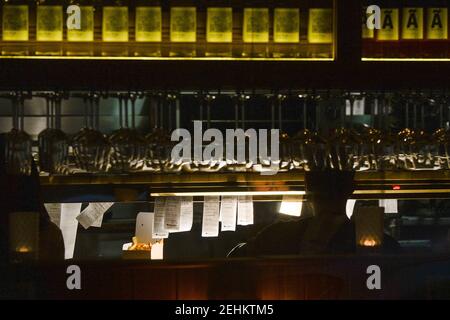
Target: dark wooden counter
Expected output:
[318,277]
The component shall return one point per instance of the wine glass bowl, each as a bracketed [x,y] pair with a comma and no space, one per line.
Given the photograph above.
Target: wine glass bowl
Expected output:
[92,150]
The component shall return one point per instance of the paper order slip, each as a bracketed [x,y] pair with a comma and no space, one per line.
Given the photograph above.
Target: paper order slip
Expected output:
[64,215]
[210,223]
[186,214]
[93,214]
[245,210]
[228,207]
[159,232]
[172,218]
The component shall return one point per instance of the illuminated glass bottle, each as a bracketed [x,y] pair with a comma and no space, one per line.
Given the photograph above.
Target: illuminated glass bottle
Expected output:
[15,28]
[49,28]
[388,35]
[115,34]
[80,37]
[436,33]
[148,28]
[412,32]
[320,33]
[219,31]
[286,32]
[183,31]
[256,32]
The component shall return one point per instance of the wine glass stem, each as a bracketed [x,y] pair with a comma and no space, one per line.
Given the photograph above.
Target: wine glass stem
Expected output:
[133,113]
[120,111]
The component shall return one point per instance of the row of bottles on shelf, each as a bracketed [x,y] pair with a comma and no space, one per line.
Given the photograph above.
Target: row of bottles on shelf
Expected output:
[145,25]
[403,136]
[407,32]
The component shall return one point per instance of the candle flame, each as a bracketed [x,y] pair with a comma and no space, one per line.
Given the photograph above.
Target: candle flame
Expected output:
[369,243]
[23,249]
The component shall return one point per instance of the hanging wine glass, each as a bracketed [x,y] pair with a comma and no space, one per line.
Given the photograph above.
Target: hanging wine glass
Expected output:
[370,138]
[344,144]
[285,162]
[128,146]
[172,164]
[383,140]
[422,142]
[91,147]
[211,163]
[18,155]
[441,139]
[406,139]
[237,164]
[159,144]
[307,146]
[53,142]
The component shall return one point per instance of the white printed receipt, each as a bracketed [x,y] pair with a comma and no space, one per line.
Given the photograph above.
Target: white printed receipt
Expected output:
[172,217]
[159,231]
[93,213]
[245,210]
[228,208]
[210,223]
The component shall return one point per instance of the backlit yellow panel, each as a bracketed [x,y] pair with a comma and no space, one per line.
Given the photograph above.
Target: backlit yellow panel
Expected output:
[256,25]
[219,25]
[49,25]
[15,23]
[183,24]
[115,24]
[148,24]
[286,26]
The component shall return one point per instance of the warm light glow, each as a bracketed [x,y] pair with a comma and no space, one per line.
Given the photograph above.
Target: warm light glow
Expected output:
[291,206]
[23,249]
[226,193]
[368,242]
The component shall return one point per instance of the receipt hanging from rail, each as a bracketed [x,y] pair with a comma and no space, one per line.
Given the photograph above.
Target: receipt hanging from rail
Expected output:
[245,210]
[186,210]
[291,205]
[187,213]
[69,226]
[64,215]
[172,217]
[349,207]
[159,232]
[390,205]
[54,212]
[210,223]
[228,207]
[93,212]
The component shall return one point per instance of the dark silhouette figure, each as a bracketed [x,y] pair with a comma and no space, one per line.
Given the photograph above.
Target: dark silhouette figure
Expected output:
[329,231]
[21,193]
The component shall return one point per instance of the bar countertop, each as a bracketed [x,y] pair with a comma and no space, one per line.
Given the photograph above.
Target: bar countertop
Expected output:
[424,276]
